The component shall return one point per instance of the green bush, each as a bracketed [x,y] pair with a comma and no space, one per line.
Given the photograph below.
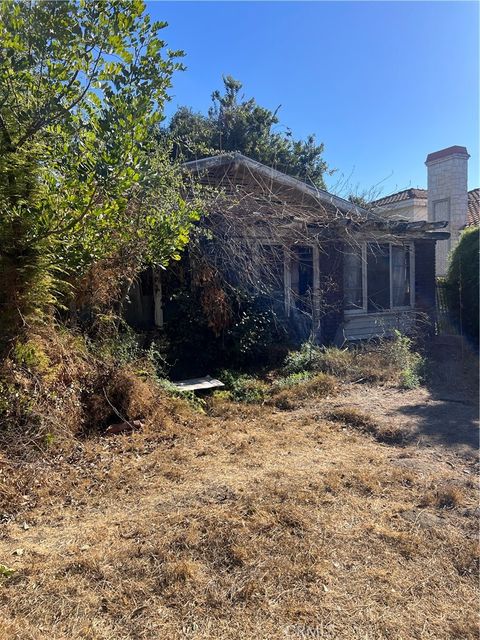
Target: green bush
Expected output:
[388,360]
[31,355]
[291,380]
[125,346]
[409,379]
[254,330]
[402,357]
[244,388]
[309,357]
[253,336]
[399,351]
[301,360]
[463,283]
[82,177]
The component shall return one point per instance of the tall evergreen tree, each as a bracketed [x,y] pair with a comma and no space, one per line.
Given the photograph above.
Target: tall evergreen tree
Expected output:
[234,123]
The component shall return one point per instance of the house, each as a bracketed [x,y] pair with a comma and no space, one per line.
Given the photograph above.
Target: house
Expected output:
[335,271]
[446,198]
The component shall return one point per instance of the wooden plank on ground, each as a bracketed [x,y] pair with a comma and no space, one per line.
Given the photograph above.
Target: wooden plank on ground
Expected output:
[198,384]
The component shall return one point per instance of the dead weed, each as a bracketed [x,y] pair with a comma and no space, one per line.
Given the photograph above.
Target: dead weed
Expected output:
[321,385]
[351,417]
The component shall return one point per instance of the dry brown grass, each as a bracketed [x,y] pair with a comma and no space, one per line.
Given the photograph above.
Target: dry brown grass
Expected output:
[383,432]
[318,386]
[244,522]
[444,497]
[232,527]
[54,390]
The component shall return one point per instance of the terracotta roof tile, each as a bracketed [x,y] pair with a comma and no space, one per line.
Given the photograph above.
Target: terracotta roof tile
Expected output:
[407,194]
[473,214]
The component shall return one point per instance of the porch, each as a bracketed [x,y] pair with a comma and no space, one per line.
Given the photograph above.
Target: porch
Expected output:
[329,291]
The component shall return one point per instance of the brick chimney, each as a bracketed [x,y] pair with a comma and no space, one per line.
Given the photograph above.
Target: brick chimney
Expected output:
[448,196]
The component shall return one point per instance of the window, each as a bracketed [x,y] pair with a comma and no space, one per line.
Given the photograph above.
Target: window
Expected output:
[352,284]
[302,277]
[401,285]
[378,277]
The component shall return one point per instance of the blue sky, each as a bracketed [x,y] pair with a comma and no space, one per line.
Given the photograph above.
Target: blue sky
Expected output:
[382,84]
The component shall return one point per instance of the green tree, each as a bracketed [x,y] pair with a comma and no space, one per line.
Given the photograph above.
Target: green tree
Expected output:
[463,282]
[360,200]
[82,85]
[234,123]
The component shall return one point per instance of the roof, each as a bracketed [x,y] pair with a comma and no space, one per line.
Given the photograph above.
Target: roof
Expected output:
[351,214]
[401,196]
[237,159]
[473,213]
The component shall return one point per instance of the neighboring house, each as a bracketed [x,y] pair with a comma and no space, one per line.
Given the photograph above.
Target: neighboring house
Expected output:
[335,271]
[447,198]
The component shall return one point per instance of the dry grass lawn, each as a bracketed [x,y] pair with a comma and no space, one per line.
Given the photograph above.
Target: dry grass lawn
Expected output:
[246,522]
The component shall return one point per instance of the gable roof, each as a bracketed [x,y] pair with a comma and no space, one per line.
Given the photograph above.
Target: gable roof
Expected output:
[238,159]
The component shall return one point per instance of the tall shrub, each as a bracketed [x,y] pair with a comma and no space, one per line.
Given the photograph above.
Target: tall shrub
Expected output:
[463,283]
[82,87]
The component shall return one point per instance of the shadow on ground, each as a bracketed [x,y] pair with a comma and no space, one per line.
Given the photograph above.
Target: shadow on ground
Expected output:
[450,417]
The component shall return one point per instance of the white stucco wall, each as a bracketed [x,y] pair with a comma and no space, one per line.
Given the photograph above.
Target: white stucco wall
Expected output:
[411,209]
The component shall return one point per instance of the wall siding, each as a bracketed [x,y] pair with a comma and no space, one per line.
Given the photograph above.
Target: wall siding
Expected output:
[374,325]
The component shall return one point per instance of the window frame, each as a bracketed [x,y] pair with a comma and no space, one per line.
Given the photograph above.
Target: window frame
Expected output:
[391,309]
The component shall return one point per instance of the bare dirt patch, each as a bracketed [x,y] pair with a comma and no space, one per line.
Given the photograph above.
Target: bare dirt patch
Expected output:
[450,425]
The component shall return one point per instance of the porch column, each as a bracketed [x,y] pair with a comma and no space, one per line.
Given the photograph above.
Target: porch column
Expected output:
[287,281]
[316,289]
[157,297]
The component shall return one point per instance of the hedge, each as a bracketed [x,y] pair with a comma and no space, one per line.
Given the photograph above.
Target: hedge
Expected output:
[463,282]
